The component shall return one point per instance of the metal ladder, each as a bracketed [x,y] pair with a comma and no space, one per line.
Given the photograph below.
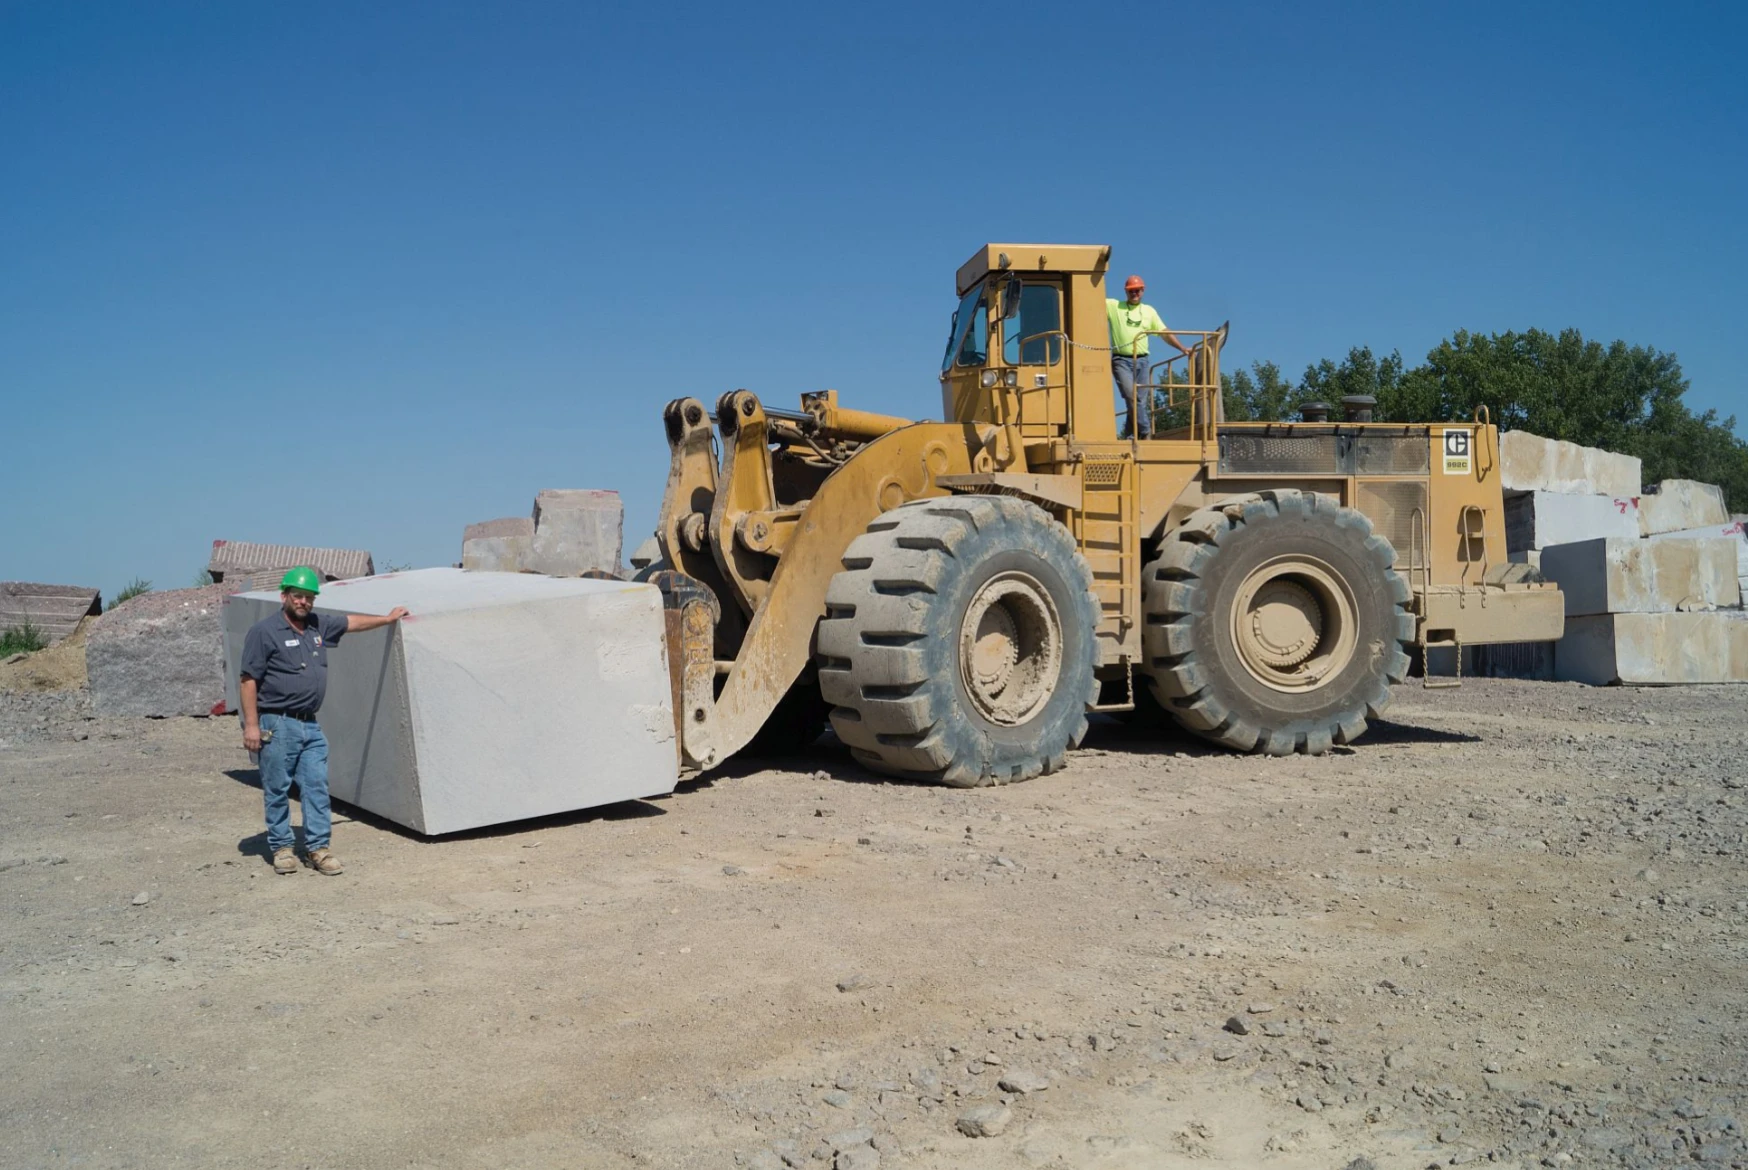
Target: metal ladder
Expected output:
[1423,564]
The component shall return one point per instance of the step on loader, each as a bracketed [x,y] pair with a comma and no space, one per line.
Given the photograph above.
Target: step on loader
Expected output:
[956,597]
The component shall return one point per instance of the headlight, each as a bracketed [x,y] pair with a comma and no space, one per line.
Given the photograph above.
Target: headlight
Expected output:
[988,379]
[1012,378]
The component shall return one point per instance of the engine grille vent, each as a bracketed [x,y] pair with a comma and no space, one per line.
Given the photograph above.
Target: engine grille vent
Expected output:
[1391,455]
[1390,508]
[1300,450]
[1254,454]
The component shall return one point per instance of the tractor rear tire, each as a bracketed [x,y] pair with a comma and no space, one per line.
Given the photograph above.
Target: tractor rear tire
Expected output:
[958,643]
[1275,623]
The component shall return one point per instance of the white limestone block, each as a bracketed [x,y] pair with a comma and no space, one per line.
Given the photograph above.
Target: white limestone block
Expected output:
[1624,575]
[1676,505]
[504,696]
[1530,463]
[1538,519]
[1735,531]
[1650,649]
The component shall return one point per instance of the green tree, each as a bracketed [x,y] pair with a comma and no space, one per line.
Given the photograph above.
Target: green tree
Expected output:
[1615,396]
[1359,373]
[1259,394]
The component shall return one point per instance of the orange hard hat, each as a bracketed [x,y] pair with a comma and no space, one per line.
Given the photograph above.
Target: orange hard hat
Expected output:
[1133,283]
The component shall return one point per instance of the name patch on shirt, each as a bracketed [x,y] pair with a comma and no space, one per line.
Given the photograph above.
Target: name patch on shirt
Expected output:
[291,642]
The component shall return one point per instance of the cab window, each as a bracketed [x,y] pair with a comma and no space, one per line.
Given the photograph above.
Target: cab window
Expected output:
[968,344]
[1040,313]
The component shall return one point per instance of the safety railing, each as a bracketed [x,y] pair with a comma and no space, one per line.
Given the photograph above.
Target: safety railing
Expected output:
[1199,388]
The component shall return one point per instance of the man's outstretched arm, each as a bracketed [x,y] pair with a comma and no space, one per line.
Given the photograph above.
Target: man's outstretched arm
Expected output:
[359,622]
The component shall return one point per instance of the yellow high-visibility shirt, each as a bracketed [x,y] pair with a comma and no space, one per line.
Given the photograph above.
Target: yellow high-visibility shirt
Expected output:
[1130,325]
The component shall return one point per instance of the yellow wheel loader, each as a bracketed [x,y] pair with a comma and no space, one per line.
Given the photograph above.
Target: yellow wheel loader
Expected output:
[957,596]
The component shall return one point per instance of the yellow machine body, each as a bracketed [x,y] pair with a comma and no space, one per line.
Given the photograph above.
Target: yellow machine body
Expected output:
[1027,394]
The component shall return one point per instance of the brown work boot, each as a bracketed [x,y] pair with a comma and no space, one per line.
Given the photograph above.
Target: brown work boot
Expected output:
[284,861]
[323,861]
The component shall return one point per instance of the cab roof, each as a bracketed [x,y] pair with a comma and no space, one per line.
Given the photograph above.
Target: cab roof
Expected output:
[1089,258]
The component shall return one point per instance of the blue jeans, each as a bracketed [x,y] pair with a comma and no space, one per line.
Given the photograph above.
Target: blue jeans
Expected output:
[298,751]
[1130,372]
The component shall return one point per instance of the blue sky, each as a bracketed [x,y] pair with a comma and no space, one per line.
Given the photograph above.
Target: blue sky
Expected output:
[358,275]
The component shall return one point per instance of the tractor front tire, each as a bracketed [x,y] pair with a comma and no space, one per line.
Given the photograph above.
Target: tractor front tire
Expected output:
[1275,623]
[958,643]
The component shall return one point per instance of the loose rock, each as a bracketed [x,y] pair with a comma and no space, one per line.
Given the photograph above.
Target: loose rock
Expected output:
[1024,1080]
[989,1120]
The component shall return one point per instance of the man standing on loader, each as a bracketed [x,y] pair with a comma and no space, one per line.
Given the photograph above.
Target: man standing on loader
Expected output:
[284,678]
[1131,324]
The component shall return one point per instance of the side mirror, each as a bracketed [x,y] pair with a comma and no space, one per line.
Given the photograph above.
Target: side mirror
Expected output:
[1010,298]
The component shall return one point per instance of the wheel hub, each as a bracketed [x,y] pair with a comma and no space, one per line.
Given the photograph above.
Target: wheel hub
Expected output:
[1294,623]
[1285,622]
[1010,649]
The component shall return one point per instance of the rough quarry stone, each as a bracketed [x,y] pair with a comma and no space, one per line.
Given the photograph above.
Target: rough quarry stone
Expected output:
[1530,463]
[504,696]
[1676,505]
[1649,649]
[159,654]
[499,546]
[1618,575]
[1538,519]
[55,610]
[576,531]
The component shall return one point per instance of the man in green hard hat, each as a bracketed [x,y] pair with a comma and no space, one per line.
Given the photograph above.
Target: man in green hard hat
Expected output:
[284,677]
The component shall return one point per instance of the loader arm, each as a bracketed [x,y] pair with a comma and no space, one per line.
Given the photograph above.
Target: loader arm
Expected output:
[894,469]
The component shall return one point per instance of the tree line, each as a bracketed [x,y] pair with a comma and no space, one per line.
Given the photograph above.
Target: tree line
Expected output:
[1561,386]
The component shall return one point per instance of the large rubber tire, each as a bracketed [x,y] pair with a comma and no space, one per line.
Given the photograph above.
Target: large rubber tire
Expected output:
[894,647]
[1219,654]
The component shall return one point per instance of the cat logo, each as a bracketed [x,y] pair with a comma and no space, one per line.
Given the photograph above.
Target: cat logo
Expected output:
[1457,455]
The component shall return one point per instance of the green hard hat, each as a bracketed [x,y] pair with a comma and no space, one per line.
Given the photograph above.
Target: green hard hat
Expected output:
[301,578]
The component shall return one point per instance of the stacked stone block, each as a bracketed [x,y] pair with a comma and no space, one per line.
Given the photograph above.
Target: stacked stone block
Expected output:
[1678,505]
[1644,576]
[1653,579]
[571,532]
[502,546]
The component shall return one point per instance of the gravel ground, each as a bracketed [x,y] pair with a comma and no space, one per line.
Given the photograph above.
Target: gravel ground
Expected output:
[1508,927]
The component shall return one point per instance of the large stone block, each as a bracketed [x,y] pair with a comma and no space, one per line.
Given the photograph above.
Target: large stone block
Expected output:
[1530,463]
[1617,575]
[501,546]
[1538,519]
[159,654]
[1654,648]
[1735,532]
[576,531]
[504,695]
[1676,505]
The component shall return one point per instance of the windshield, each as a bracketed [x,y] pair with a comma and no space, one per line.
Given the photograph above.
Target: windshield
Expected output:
[969,341]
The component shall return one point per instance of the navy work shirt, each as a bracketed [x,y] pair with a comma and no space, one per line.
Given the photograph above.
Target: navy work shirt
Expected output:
[289,668]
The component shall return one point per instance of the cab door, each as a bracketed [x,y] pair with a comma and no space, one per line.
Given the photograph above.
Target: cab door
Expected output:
[1034,346]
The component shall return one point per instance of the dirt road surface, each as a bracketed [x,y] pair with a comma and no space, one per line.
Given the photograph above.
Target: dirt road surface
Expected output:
[1507,928]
